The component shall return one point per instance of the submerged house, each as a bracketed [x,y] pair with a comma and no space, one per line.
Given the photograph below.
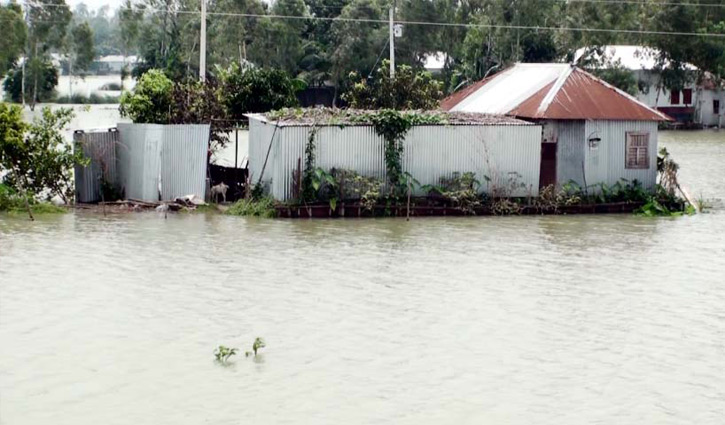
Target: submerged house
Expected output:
[592,133]
[502,152]
[701,100]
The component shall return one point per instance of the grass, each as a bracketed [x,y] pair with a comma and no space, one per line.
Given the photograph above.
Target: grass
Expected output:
[263,207]
[13,203]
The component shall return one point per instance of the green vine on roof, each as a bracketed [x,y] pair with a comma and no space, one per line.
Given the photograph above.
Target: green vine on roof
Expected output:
[308,191]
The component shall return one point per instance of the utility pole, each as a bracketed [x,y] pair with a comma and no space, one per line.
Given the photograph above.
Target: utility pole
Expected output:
[202,44]
[392,40]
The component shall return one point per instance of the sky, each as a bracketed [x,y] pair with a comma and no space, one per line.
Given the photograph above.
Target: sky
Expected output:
[95,4]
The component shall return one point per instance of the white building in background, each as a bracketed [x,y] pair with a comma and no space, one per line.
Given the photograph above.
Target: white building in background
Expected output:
[435,62]
[113,64]
[700,102]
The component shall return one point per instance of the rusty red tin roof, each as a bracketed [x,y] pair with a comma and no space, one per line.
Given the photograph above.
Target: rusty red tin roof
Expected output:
[552,91]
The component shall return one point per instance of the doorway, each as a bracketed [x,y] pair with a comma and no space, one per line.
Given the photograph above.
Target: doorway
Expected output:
[547,173]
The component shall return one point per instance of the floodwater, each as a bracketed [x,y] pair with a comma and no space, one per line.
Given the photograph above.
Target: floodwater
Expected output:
[520,320]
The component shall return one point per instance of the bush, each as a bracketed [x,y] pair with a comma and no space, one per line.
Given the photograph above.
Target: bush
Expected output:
[11,202]
[47,81]
[248,90]
[409,90]
[93,99]
[263,207]
[151,100]
[35,156]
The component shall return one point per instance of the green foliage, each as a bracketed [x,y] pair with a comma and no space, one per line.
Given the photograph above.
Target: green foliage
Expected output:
[150,102]
[14,203]
[263,207]
[308,190]
[408,90]
[223,353]
[82,49]
[462,191]
[15,33]
[256,346]
[257,90]
[93,99]
[36,157]
[47,76]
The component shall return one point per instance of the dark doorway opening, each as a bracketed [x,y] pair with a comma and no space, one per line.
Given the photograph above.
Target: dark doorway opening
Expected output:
[547,174]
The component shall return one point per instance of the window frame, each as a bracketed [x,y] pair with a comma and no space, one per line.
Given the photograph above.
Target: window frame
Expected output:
[675,98]
[687,96]
[629,140]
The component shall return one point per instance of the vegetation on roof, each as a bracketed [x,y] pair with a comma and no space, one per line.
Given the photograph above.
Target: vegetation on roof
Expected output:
[332,116]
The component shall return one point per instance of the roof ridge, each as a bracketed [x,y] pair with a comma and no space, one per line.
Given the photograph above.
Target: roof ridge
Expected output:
[625,94]
[558,84]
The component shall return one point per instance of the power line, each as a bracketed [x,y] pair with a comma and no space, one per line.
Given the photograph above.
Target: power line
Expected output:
[444,24]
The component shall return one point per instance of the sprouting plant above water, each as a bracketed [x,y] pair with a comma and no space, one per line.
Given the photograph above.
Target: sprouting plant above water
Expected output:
[223,353]
[258,344]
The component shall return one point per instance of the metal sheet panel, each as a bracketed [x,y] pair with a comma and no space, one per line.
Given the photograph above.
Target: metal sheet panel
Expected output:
[183,160]
[570,140]
[139,160]
[507,154]
[100,148]
[606,163]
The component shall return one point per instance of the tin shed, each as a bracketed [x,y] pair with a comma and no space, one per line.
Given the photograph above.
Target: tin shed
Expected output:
[498,149]
[592,132]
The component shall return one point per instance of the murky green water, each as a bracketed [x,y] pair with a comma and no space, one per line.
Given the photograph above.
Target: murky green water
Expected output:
[521,320]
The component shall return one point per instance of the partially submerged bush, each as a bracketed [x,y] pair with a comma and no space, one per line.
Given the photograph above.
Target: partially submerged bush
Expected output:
[11,202]
[262,207]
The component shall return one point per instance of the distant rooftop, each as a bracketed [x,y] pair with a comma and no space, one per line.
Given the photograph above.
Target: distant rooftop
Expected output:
[335,117]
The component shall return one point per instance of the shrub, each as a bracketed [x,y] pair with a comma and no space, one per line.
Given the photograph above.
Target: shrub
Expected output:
[262,207]
[93,99]
[151,100]
[408,90]
[249,89]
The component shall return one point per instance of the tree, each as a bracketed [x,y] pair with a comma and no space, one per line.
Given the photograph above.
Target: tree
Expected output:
[281,45]
[150,101]
[35,157]
[408,90]
[80,50]
[358,45]
[231,37]
[43,72]
[13,40]
[48,20]
[130,19]
[248,90]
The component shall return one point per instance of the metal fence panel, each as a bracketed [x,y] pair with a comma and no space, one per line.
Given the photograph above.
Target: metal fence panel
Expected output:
[100,149]
[183,160]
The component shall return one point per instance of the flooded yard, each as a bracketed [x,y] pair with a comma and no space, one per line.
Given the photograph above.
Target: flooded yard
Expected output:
[520,320]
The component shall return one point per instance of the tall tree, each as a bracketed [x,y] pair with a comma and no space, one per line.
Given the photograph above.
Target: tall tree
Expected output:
[13,40]
[80,50]
[230,37]
[48,21]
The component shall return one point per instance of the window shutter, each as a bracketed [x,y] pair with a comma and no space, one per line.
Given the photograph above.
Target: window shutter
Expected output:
[637,150]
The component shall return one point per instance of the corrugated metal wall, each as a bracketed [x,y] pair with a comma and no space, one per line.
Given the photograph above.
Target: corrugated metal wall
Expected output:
[606,163]
[502,152]
[100,148]
[183,160]
[150,162]
[570,151]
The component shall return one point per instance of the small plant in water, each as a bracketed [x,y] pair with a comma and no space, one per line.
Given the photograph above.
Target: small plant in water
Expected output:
[258,344]
[223,353]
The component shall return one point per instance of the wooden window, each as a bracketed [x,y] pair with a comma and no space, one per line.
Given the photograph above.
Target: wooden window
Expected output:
[716,106]
[637,151]
[675,97]
[687,96]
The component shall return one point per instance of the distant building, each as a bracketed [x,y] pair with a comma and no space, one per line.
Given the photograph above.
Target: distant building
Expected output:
[700,102]
[113,64]
[435,62]
[592,132]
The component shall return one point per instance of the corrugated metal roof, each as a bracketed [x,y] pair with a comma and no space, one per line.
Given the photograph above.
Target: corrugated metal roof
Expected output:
[553,91]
